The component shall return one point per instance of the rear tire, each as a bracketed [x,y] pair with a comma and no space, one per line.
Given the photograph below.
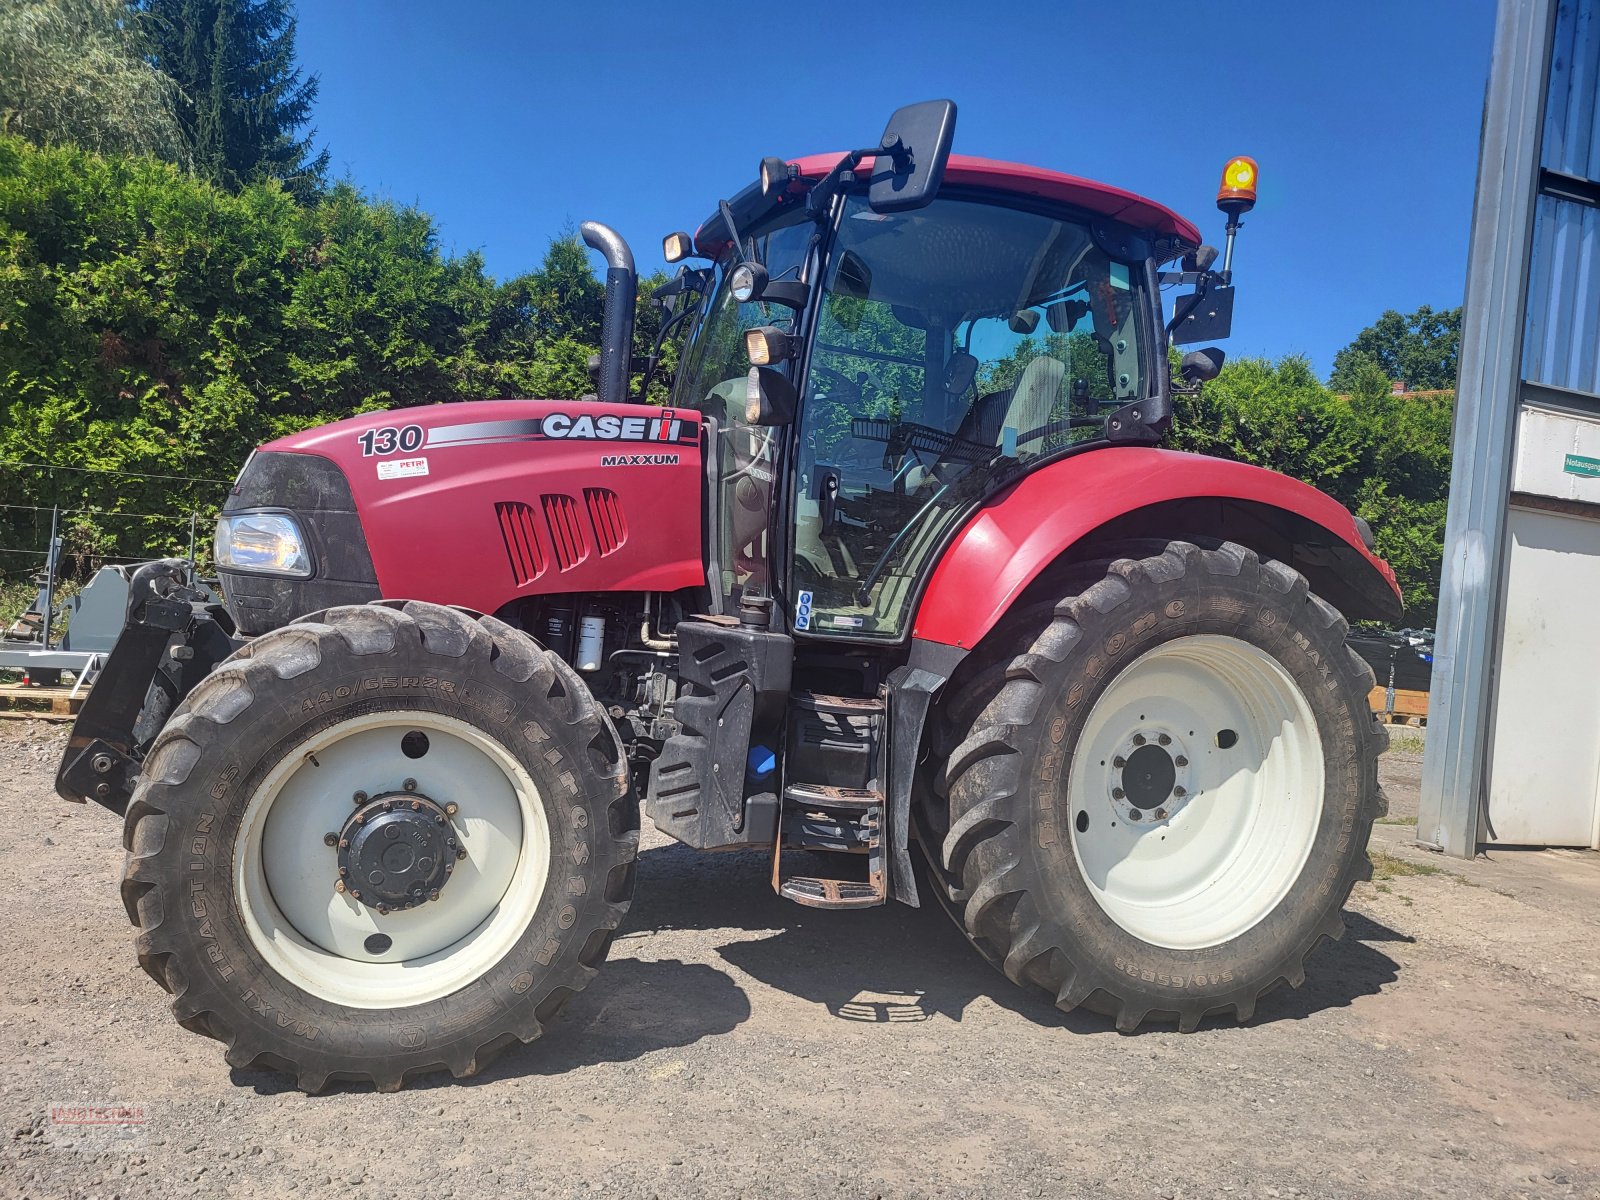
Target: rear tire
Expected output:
[1160,787]
[240,905]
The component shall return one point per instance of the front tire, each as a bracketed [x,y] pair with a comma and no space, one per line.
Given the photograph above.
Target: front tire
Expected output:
[380,841]
[1161,786]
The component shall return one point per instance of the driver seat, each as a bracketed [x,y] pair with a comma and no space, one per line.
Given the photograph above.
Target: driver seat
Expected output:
[1034,397]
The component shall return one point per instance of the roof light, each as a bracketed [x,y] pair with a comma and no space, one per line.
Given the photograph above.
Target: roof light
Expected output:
[775,173]
[1238,191]
[676,247]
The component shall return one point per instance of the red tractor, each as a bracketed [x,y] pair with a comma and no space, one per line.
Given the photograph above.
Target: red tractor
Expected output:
[901,564]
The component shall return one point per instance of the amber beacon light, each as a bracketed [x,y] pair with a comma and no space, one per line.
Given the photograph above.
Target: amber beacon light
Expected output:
[1238,191]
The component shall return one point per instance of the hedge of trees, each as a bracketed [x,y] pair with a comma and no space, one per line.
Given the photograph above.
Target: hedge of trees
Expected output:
[153,323]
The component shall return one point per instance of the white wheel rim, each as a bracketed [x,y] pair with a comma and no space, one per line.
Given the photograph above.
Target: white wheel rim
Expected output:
[316,937]
[1201,867]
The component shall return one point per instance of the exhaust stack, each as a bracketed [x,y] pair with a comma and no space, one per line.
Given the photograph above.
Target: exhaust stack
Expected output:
[616,333]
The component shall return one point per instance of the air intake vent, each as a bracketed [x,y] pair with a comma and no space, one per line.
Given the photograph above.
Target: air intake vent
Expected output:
[610,526]
[567,534]
[521,533]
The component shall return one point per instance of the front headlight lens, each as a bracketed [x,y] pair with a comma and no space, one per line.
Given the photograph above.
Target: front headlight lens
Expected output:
[267,543]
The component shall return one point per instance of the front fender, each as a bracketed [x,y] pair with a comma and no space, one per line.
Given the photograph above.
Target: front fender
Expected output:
[1140,491]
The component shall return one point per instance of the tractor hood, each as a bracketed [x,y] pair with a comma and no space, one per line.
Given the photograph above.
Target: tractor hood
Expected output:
[477,504]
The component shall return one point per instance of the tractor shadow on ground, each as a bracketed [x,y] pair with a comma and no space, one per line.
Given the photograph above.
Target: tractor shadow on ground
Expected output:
[634,1007]
[896,963]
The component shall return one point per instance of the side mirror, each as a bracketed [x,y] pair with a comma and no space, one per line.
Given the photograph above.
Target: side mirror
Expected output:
[959,373]
[909,164]
[769,398]
[1199,366]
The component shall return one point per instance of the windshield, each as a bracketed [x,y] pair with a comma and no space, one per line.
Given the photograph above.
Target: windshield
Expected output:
[713,380]
[954,344]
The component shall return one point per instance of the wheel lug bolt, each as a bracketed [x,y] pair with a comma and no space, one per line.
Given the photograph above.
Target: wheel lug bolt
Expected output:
[433,895]
[461,852]
[1119,762]
[338,885]
[330,839]
[383,908]
[1136,815]
[1179,792]
[344,870]
[410,785]
[1161,814]
[344,843]
[452,808]
[360,797]
[1164,740]
[1138,739]
[1117,793]
[356,895]
[1181,761]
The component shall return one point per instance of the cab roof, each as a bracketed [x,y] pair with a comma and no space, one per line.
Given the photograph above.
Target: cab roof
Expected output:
[1017,178]
[1102,198]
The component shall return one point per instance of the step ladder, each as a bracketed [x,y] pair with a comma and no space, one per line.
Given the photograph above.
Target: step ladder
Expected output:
[839,737]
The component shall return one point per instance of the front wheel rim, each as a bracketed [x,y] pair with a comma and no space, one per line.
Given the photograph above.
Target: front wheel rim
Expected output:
[1196,792]
[345,951]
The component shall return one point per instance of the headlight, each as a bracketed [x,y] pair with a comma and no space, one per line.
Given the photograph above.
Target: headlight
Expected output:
[265,543]
[746,282]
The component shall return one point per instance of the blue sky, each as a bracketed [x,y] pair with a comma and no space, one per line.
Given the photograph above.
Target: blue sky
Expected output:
[508,121]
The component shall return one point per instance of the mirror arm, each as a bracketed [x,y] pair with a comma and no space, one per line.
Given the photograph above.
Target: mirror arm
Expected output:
[833,182]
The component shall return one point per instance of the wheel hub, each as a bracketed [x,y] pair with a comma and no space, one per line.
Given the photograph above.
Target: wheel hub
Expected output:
[1150,777]
[396,851]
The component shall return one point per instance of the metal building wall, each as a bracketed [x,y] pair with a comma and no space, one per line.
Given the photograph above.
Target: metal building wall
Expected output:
[1451,809]
[1530,352]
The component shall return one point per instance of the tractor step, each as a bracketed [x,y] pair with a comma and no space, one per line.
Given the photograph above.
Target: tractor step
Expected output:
[844,705]
[844,821]
[824,795]
[833,893]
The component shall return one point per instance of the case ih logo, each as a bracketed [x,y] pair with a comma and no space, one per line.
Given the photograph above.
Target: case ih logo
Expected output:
[657,427]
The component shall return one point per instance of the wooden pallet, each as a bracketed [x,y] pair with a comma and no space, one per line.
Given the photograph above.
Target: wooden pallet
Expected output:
[40,703]
[1410,708]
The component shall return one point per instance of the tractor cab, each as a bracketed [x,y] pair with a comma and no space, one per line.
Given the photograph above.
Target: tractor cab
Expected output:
[876,363]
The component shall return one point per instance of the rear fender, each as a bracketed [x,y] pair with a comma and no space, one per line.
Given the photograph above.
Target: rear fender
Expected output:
[1061,510]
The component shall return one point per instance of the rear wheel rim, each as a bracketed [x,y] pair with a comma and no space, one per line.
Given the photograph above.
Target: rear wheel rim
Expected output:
[1196,792]
[338,948]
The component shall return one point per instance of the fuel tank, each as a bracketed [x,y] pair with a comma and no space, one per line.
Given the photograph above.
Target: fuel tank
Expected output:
[479,503]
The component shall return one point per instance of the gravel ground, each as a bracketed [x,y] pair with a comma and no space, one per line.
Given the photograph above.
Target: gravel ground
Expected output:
[737,1045]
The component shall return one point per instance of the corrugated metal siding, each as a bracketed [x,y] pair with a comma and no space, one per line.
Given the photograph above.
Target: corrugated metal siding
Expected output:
[1571,121]
[1561,346]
